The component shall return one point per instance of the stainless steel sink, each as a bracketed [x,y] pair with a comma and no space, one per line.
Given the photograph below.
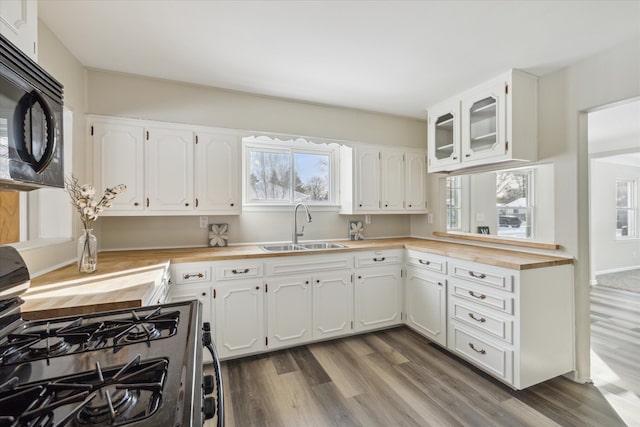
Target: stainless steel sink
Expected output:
[321,245]
[310,246]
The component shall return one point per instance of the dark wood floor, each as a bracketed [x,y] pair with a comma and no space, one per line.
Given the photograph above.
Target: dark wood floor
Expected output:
[615,349]
[394,378]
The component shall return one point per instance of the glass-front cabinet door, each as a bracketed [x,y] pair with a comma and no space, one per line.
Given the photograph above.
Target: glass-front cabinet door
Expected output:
[443,136]
[484,122]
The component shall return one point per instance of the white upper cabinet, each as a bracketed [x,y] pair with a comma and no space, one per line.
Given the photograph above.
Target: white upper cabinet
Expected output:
[19,24]
[492,123]
[217,183]
[381,180]
[169,169]
[392,180]
[119,159]
[415,178]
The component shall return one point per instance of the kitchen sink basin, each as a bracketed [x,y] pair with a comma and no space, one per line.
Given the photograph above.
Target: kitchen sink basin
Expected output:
[301,247]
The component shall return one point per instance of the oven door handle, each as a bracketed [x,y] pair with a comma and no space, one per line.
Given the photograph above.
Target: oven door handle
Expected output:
[218,374]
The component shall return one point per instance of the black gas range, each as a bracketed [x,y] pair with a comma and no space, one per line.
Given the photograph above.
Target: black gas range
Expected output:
[140,367]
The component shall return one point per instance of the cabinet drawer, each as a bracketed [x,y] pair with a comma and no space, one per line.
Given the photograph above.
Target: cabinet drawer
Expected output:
[239,270]
[482,319]
[484,275]
[191,272]
[501,301]
[308,264]
[427,261]
[493,358]
[370,258]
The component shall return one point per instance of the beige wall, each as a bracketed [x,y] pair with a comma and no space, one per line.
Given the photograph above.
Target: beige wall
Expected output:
[116,94]
[563,99]
[63,66]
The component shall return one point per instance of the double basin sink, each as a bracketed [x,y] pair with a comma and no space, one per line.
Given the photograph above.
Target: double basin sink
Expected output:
[311,246]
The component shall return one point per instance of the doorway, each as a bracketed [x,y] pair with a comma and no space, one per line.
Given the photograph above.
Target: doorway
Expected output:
[614,234]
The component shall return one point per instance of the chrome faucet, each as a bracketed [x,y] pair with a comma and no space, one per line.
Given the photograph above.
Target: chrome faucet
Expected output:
[296,234]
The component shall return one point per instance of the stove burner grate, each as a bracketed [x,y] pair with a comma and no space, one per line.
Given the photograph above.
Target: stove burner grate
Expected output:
[113,397]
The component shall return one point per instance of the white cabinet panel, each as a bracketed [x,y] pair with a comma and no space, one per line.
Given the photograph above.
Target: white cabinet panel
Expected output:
[426,304]
[217,173]
[378,293]
[289,311]
[169,169]
[19,24]
[392,186]
[332,304]
[119,159]
[239,317]
[367,179]
[415,170]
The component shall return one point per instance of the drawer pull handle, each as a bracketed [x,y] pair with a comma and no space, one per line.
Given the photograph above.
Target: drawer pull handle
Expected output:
[473,294]
[189,276]
[379,259]
[481,351]
[477,275]
[424,262]
[481,319]
[245,271]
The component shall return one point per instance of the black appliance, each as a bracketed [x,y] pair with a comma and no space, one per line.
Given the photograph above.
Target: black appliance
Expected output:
[137,368]
[31,154]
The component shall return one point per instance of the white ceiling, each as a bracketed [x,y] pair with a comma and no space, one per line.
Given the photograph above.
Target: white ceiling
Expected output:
[396,57]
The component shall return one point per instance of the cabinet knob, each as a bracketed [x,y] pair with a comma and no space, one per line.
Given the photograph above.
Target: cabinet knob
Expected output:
[233,204]
[359,277]
[186,204]
[467,155]
[204,294]
[386,205]
[455,158]
[257,287]
[317,280]
[306,282]
[360,205]
[136,204]
[410,205]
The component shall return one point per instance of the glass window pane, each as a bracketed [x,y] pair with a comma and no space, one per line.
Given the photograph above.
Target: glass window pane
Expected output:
[311,176]
[624,191]
[270,178]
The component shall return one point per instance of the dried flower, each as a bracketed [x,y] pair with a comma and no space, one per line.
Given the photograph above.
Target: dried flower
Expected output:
[83,199]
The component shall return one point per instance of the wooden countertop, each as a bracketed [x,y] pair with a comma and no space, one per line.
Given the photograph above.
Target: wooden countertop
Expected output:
[126,279]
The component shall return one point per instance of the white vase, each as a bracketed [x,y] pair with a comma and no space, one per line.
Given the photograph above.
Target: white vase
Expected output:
[87,252]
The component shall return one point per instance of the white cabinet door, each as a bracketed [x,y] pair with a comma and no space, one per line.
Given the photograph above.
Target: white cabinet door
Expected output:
[169,169]
[217,182]
[239,311]
[415,181]
[332,304]
[288,311]
[19,24]
[392,180]
[426,302]
[377,297]
[443,135]
[367,179]
[484,122]
[119,159]
[201,293]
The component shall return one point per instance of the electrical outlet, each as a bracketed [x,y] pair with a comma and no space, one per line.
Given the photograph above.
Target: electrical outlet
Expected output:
[367,219]
[204,222]
[430,218]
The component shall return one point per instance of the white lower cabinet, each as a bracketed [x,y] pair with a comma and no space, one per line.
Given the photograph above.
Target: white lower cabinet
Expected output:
[239,317]
[517,325]
[332,304]
[289,311]
[378,295]
[426,304]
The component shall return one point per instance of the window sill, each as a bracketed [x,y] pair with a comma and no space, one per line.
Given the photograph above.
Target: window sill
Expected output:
[498,240]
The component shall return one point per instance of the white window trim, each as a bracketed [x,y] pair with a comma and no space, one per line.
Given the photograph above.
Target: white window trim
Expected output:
[633,208]
[297,144]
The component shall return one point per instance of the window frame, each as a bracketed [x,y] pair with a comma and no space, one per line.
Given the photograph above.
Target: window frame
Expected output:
[531,202]
[631,208]
[291,146]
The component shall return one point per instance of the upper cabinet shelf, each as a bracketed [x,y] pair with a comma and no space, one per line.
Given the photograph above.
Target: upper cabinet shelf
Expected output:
[495,122]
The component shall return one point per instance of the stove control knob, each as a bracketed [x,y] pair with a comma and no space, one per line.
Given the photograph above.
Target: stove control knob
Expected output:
[209,408]
[208,384]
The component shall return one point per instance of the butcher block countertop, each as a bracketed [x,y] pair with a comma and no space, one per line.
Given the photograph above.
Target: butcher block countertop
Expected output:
[126,279]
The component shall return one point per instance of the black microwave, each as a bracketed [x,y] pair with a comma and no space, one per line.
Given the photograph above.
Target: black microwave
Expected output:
[31,154]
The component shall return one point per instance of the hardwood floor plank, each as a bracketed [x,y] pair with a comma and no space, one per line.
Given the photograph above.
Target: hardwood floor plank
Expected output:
[309,366]
[396,378]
